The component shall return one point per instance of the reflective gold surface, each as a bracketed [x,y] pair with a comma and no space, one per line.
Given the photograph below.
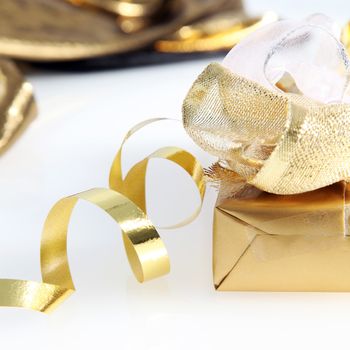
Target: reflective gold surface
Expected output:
[283,243]
[17,105]
[140,8]
[133,186]
[280,143]
[146,252]
[134,15]
[220,32]
[57,30]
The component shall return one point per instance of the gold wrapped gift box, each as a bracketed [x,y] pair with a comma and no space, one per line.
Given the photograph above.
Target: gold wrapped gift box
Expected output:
[269,242]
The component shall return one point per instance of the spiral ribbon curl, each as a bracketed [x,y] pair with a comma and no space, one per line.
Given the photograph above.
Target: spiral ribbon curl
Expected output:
[125,202]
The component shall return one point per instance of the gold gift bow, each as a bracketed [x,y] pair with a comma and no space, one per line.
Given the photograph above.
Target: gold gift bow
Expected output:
[279,143]
[125,203]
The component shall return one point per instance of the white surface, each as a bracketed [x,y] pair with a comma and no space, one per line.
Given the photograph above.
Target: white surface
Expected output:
[69,148]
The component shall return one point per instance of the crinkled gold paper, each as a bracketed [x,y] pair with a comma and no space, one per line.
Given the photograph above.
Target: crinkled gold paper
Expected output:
[269,242]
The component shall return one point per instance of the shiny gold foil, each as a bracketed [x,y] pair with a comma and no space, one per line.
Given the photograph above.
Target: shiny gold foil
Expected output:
[282,143]
[267,242]
[17,105]
[125,203]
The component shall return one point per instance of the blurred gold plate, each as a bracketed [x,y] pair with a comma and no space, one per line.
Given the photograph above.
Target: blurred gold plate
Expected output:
[17,105]
[43,30]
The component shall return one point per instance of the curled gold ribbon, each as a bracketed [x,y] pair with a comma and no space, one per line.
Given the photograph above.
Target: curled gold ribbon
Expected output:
[125,203]
[133,186]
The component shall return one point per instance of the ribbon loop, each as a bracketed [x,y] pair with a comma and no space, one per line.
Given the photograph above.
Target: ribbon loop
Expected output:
[133,186]
[280,143]
[279,118]
[125,203]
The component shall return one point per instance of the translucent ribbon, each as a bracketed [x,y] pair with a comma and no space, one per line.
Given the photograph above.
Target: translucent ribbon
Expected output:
[276,112]
[125,203]
[309,51]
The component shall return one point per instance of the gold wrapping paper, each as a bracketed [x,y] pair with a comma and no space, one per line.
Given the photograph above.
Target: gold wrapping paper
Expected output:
[268,242]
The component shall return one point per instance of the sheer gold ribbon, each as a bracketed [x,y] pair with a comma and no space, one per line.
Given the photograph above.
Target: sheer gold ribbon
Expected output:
[283,143]
[125,203]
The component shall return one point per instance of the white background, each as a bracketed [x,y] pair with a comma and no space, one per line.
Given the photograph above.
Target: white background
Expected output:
[69,148]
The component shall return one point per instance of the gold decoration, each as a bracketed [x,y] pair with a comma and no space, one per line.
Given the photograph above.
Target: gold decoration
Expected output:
[268,242]
[125,203]
[280,143]
[135,15]
[125,8]
[42,30]
[17,106]
[218,32]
